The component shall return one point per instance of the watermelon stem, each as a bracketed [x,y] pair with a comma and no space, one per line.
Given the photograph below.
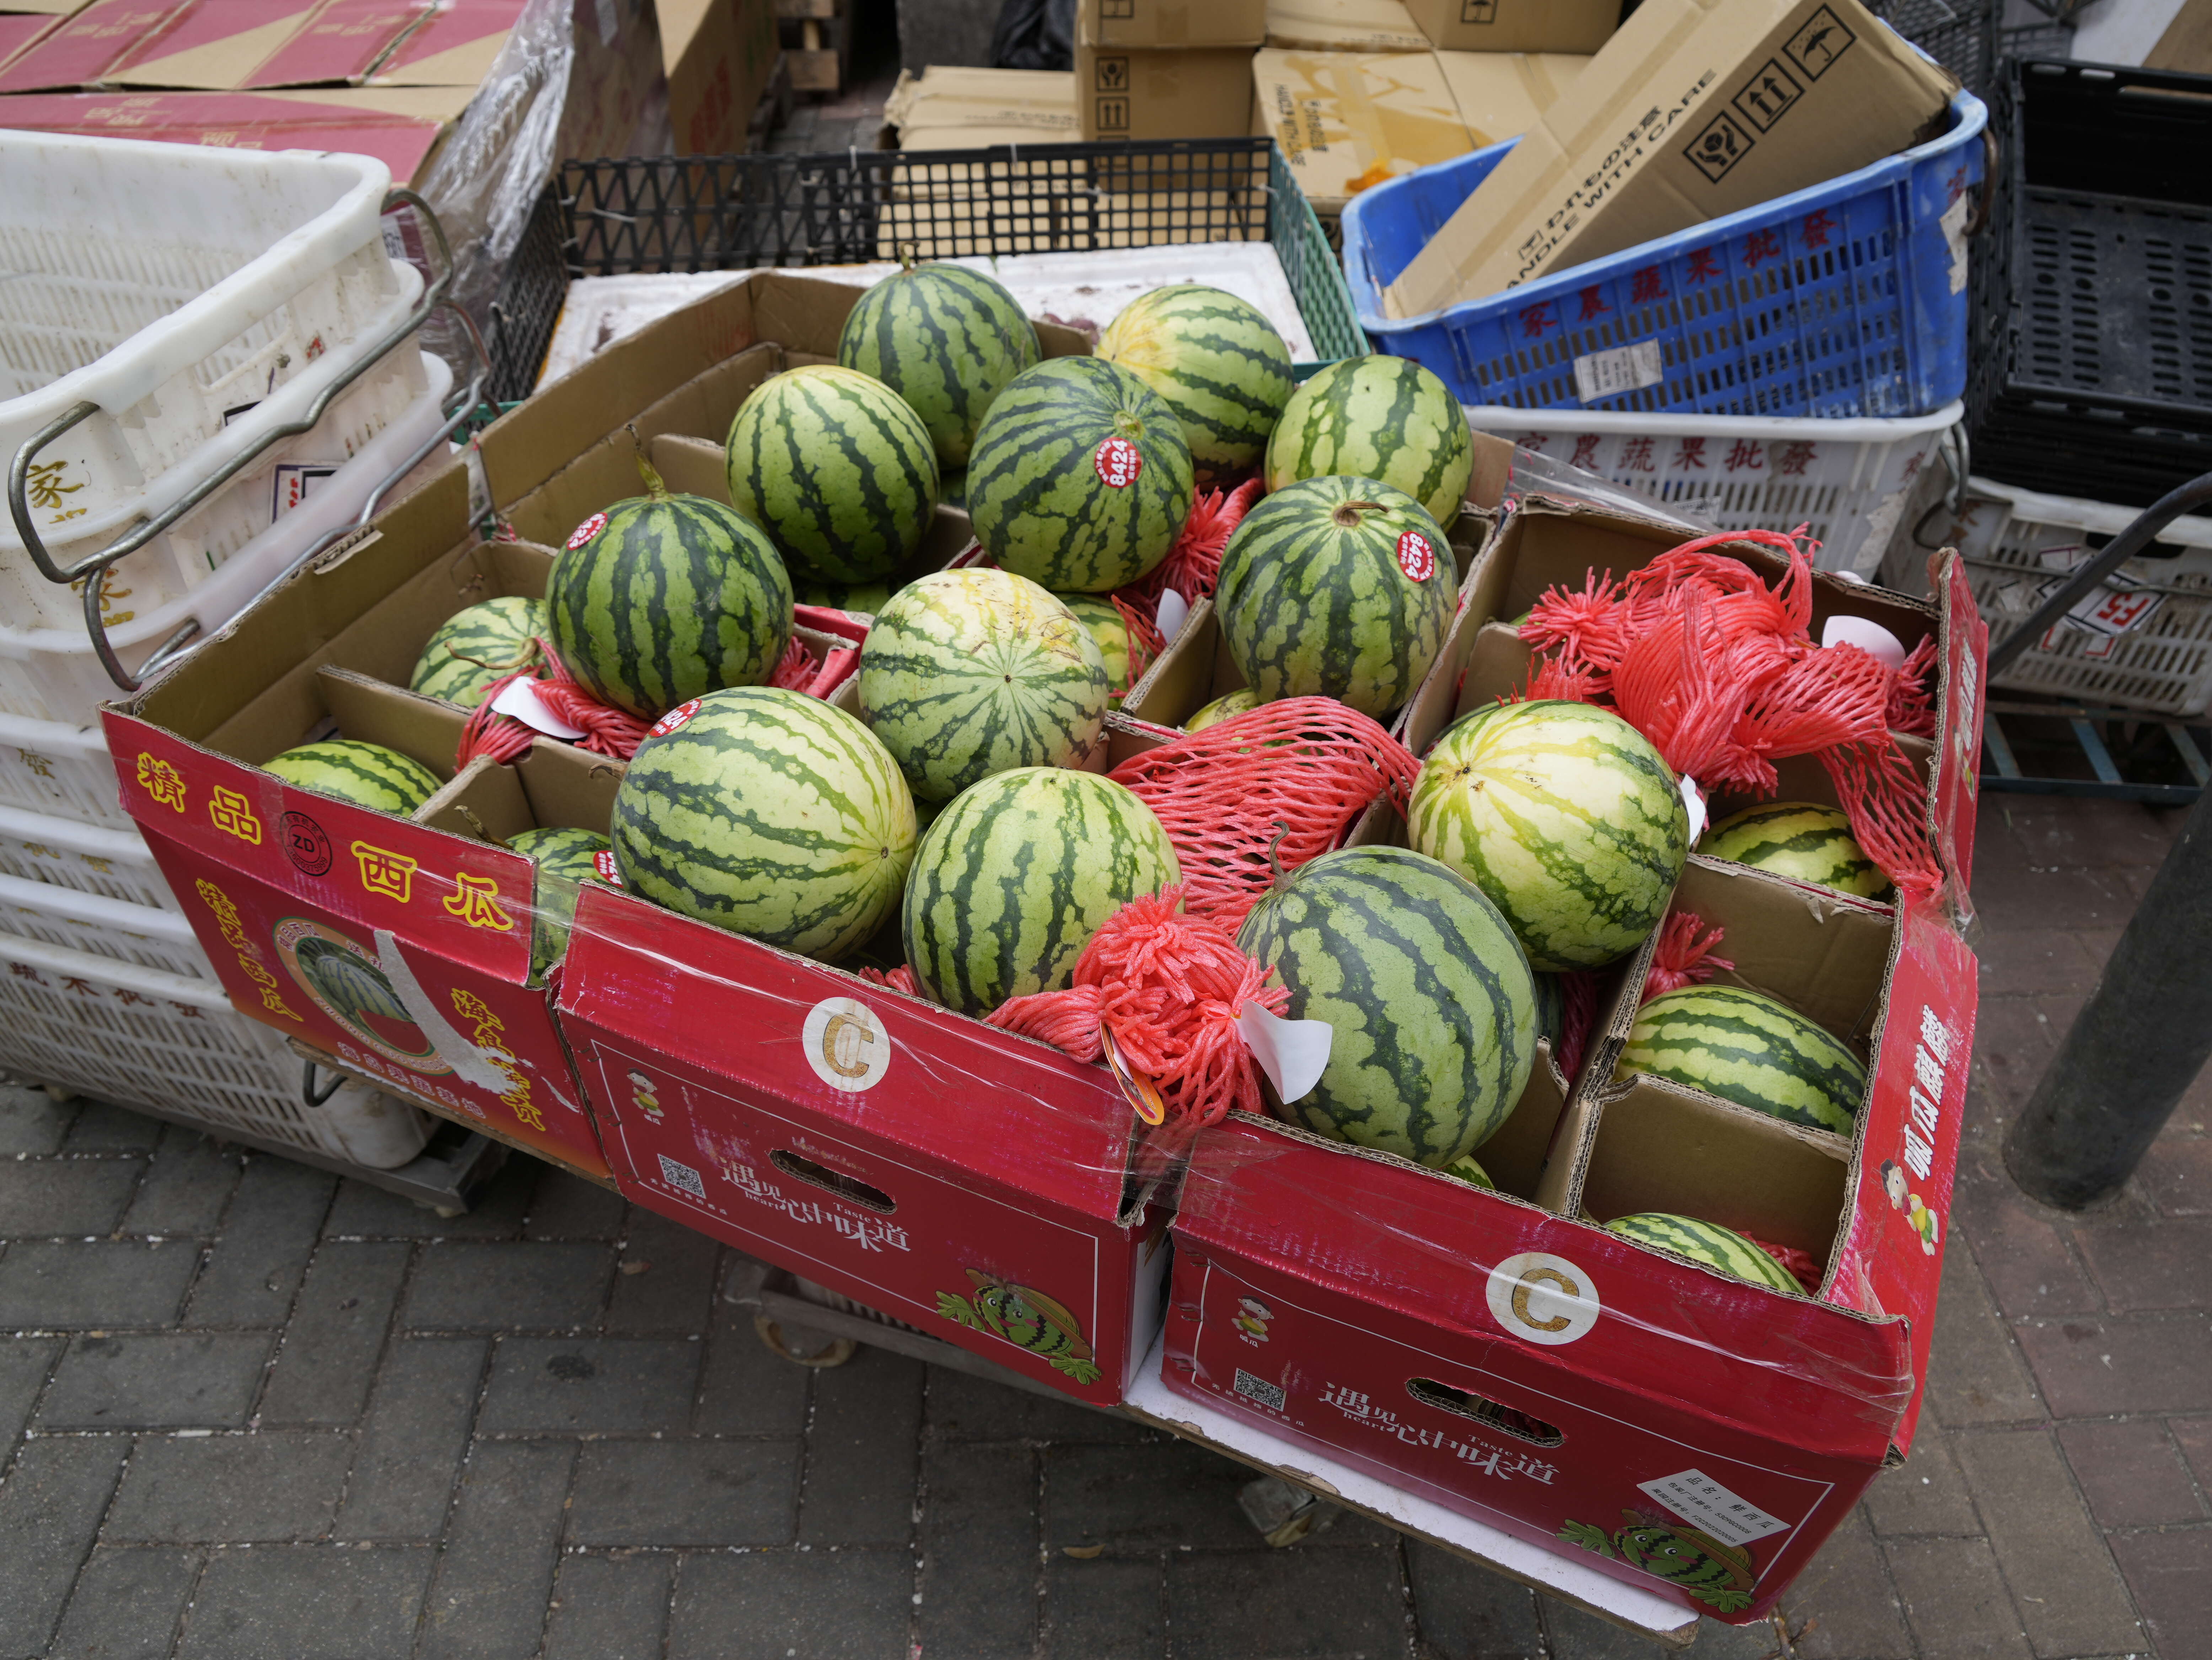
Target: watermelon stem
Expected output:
[653,487]
[477,825]
[1274,853]
[1347,512]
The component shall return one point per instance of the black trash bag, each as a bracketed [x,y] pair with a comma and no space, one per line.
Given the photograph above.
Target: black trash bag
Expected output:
[1034,35]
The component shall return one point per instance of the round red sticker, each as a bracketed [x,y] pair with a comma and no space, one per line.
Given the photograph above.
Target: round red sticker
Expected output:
[590,528]
[1118,463]
[675,718]
[1416,557]
[603,862]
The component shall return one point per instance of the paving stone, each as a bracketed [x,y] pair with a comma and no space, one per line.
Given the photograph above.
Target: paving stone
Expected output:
[1573,1634]
[2148,1265]
[496,1213]
[2034,961]
[610,1608]
[324,1371]
[565,1207]
[269,1232]
[2171,1574]
[1926,1494]
[1955,1600]
[745,1388]
[32,1121]
[280,1485]
[589,1385]
[2177,1175]
[496,1575]
[186,1185]
[176,1381]
[473,1286]
[50,1508]
[1460,1609]
[2023,1256]
[860,1450]
[102,1127]
[966,1407]
[44,1196]
[786,1605]
[307,1602]
[1285,1604]
[2194,1436]
[2014,1040]
[24,1364]
[2069,1597]
[2093,1368]
[2131,1473]
[1842,1604]
[667,1280]
[2081,897]
[1105,1609]
[127,1604]
[688,1492]
[979,1550]
[1974,1377]
[100,1285]
[2055,830]
[412,1441]
[1146,1497]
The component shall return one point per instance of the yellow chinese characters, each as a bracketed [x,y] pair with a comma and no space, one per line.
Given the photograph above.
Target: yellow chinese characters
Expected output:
[385,872]
[476,902]
[486,1036]
[230,811]
[161,781]
[233,936]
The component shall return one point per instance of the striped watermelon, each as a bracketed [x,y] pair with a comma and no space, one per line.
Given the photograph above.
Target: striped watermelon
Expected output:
[1017,874]
[968,673]
[1430,996]
[1749,1048]
[1110,629]
[1709,1243]
[1215,361]
[1469,1170]
[366,774]
[1551,1010]
[1336,587]
[1565,815]
[945,339]
[865,597]
[1800,839]
[564,861]
[1234,703]
[664,597]
[839,472]
[1377,417]
[768,814]
[476,646]
[1081,477]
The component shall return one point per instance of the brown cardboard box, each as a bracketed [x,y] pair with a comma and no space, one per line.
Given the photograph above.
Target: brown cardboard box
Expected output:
[1162,92]
[1345,120]
[1343,26]
[949,108]
[1188,23]
[1502,94]
[1695,108]
[1516,25]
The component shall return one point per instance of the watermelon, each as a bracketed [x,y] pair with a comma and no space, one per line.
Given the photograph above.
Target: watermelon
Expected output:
[968,673]
[945,339]
[1428,993]
[1377,417]
[564,859]
[1709,1243]
[1110,629]
[864,597]
[1565,815]
[1551,1010]
[1236,703]
[350,983]
[838,471]
[1336,587]
[476,646]
[664,597]
[768,814]
[1469,1171]
[1215,361]
[1746,1047]
[1801,840]
[1081,477]
[366,774]
[1017,874]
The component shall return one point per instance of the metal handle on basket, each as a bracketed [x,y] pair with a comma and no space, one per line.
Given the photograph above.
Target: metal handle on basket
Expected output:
[309,1096]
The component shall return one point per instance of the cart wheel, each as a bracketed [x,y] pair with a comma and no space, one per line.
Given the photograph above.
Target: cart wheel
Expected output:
[61,1094]
[839,1351]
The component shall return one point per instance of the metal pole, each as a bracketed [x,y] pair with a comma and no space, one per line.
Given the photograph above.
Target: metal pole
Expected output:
[2134,1050]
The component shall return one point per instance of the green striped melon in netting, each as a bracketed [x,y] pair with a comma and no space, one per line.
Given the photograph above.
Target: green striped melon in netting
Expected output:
[1709,1243]
[1215,361]
[837,471]
[1800,839]
[1565,815]
[1746,1047]
[364,773]
[1336,587]
[1212,714]
[768,814]
[971,672]
[1111,630]
[565,860]
[1377,417]
[476,646]
[1015,877]
[662,598]
[1081,477]
[1427,992]
[947,340]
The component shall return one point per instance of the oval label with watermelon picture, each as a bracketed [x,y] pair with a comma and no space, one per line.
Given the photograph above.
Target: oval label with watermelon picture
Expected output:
[1416,557]
[344,978]
[1118,463]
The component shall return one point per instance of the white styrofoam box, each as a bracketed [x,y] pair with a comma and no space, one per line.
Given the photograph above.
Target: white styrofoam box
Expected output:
[1847,479]
[103,927]
[92,858]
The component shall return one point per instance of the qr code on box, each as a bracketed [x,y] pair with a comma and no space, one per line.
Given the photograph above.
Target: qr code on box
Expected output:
[681,1177]
[1259,1390]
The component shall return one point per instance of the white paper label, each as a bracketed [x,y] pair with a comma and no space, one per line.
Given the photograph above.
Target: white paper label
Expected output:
[520,697]
[845,1045]
[1955,238]
[1712,1509]
[1876,641]
[1694,799]
[1173,612]
[1292,1053]
[479,491]
[296,482]
[1624,369]
[1542,1299]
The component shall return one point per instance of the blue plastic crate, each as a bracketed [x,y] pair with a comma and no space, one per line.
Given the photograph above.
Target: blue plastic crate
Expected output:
[1849,298]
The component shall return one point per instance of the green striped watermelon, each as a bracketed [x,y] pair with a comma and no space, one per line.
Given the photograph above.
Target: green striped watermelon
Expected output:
[1800,839]
[968,673]
[476,646]
[1551,1010]
[1081,478]
[945,339]
[1377,417]
[1565,815]
[1470,1171]
[564,859]
[768,814]
[1017,874]
[1215,361]
[1234,703]
[1709,1243]
[865,597]
[364,773]
[838,471]
[1749,1048]
[664,597]
[1110,629]
[1429,994]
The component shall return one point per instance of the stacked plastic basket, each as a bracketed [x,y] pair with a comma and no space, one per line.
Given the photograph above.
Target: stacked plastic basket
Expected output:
[206,360]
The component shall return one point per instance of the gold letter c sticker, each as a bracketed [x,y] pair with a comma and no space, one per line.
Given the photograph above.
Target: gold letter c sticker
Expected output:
[838,1053]
[1527,1316]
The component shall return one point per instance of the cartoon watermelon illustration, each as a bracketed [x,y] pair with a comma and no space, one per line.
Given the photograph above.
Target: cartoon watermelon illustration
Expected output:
[1027,1319]
[1720,1576]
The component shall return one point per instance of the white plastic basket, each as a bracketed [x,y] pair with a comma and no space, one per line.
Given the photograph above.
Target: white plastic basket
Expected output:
[1847,480]
[91,858]
[101,927]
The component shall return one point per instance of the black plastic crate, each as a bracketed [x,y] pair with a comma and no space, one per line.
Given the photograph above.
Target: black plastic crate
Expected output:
[1959,35]
[2092,366]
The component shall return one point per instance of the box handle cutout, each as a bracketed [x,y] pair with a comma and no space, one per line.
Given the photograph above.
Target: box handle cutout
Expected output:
[1505,1420]
[844,1186]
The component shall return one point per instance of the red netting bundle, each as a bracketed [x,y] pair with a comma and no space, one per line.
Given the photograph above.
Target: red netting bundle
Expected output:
[1801,1266]
[606,731]
[1578,990]
[1684,955]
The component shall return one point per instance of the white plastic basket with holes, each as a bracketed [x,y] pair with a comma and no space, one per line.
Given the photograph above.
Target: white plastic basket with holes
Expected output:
[174,1047]
[1849,480]
[101,927]
[91,858]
